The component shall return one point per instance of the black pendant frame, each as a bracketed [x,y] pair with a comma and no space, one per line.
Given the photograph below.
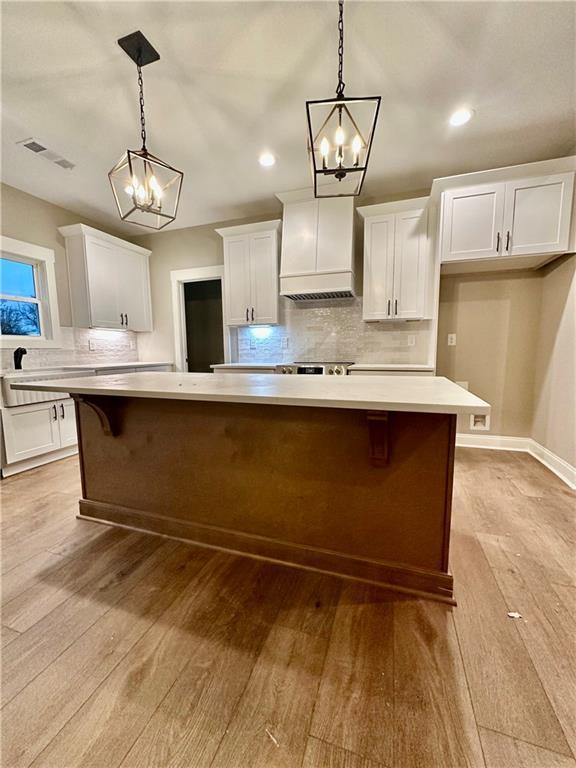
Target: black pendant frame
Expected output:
[340,171]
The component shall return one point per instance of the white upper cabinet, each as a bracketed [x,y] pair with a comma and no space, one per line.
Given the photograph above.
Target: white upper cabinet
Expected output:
[251,273]
[523,217]
[411,264]
[378,266]
[537,215]
[109,280]
[472,222]
[397,268]
[237,271]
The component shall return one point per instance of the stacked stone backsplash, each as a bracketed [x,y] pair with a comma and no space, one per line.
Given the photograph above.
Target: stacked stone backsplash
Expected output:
[79,346]
[334,330]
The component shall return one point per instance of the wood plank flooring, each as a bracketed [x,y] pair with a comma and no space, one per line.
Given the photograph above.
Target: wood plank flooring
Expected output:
[121,649]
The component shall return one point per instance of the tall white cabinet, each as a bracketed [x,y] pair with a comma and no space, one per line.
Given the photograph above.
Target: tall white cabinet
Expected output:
[398,271]
[109,280]
[507,218]
[251,273]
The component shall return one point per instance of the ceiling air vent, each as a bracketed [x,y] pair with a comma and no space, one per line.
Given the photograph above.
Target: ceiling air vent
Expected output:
[42,151]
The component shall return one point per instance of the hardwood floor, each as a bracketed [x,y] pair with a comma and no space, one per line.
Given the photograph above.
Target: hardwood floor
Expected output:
[121,649]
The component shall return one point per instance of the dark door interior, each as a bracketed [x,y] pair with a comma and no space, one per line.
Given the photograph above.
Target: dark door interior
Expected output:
[204,339]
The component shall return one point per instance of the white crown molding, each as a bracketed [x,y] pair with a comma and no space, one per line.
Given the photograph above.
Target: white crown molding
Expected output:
[561,468]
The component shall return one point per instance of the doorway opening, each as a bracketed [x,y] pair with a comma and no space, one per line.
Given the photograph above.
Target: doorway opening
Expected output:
[203,318]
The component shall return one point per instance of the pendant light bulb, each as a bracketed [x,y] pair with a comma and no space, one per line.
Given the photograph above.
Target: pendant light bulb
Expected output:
[339,136]
[129,190]
[325,147]
[356,147]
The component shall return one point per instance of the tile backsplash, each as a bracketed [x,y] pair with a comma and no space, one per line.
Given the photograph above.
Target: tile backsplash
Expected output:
[79,346]
[334,330]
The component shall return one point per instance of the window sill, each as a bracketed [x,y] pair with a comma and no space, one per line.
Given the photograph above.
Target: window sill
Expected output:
[29,342]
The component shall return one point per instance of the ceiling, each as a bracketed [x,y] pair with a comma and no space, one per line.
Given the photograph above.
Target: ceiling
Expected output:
[233,79]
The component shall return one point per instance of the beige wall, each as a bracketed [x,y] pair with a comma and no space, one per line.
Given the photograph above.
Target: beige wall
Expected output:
[495,318]
[554,424]
[33,220]
[176,249]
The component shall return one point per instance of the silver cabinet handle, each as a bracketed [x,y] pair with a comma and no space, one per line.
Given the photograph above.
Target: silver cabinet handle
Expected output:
[395,306]
[55,412]
[507,241]
[246,314]
[498,243]
[62,412]
[388,307]
[126,316]
[252,314]
[121,318]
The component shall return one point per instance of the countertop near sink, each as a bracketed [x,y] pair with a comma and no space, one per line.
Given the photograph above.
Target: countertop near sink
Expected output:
[84,367]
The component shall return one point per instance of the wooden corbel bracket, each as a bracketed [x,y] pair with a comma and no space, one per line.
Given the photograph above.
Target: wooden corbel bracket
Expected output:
[378,430]
[103,417]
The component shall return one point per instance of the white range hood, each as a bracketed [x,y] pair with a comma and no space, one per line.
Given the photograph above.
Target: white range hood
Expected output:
[317,260]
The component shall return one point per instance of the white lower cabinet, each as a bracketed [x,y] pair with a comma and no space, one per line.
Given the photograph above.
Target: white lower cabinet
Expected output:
[31,430]
[397,269]
[67,423]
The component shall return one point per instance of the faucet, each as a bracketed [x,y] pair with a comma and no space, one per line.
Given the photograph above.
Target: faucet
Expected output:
[18,355]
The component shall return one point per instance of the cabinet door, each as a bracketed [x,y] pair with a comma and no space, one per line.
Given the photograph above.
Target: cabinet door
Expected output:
[30,431]
[378,267]
[472,222]
[134,290]
[335,234]
[537,215]
[410,265]
[103,264]
[299,236]
[264,278]
[237,279]
[67,421]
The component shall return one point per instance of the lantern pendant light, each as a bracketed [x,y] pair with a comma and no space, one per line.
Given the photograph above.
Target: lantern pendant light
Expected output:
[146,189]
[340,133]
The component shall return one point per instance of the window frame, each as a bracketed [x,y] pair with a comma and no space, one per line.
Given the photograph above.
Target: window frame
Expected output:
[43,262]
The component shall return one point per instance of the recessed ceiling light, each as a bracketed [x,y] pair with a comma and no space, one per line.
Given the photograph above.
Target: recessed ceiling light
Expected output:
[266,159]
[461,116]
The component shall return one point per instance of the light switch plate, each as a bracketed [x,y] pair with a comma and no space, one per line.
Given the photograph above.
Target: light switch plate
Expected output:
[285,342]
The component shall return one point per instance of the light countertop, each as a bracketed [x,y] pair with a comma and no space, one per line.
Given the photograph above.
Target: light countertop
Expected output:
[423,394]
[353,367]
[83,367]
[261,366]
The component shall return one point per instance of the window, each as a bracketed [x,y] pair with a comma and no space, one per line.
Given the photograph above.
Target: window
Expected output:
[28,305]
[19,305]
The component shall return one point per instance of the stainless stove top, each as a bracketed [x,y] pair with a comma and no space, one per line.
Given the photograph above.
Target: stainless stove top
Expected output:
[336,368]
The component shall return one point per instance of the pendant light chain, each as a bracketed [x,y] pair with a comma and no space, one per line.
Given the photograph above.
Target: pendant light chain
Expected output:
[341,84]
[142,118]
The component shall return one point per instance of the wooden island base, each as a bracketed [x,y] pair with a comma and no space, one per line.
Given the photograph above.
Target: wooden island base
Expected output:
[365,495]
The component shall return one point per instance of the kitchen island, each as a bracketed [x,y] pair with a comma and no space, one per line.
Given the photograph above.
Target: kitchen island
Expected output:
[349,475]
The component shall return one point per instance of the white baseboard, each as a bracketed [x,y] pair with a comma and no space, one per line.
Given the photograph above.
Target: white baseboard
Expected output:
[554,463]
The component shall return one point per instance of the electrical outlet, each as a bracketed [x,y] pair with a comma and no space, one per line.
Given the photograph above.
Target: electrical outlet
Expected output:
[411,340]
[285,342]
[451,339]
[480,422]
[252,343]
